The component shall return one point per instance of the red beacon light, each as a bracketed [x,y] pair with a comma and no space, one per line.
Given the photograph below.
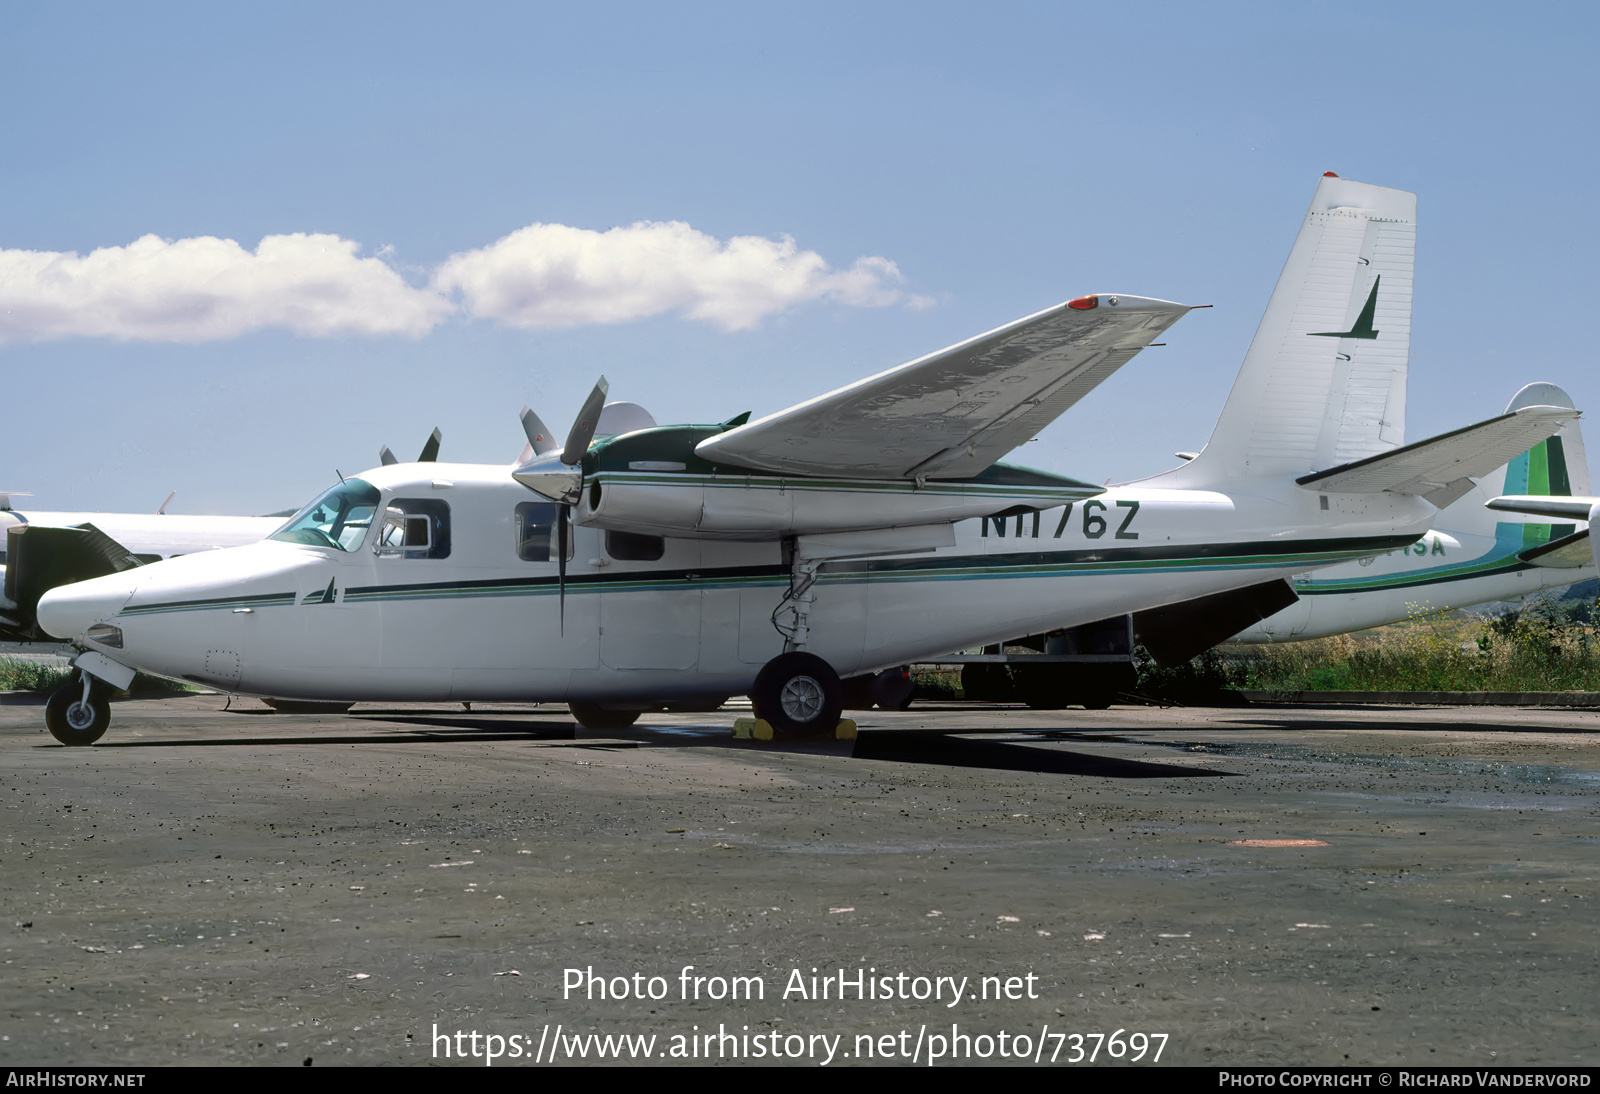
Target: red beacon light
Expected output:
[1084,303]
[1329,175]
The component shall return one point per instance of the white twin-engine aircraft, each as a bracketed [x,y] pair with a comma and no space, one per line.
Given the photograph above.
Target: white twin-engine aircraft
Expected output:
[674,566]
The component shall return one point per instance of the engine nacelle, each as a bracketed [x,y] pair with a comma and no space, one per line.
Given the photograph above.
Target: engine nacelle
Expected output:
[766,508]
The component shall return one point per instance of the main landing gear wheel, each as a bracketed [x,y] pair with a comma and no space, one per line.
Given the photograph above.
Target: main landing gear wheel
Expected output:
[590,716]
[77,714]
[799,695]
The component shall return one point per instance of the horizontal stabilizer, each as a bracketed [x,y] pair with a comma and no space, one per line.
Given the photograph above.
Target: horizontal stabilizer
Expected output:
[1544,505]
[1435,465]
[1566,553]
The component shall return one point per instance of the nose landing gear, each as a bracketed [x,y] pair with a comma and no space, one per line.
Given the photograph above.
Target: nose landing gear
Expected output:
[77,714]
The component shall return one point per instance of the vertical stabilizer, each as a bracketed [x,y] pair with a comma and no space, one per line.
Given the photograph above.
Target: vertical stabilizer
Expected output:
[1324,381]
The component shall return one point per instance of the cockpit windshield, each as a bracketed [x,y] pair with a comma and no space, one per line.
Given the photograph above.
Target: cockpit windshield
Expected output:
[337,518]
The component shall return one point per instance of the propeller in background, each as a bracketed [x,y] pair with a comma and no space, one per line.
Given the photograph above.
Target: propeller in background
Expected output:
[430,450]
[559,476]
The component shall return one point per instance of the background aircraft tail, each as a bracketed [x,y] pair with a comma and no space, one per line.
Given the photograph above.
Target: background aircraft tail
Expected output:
[1555,467]
[1324,381]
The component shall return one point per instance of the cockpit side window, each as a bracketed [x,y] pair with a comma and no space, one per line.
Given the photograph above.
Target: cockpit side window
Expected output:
[414,528]
[537,531]
[337,518]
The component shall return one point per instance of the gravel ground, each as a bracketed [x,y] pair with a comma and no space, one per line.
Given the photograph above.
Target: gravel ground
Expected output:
[236,886]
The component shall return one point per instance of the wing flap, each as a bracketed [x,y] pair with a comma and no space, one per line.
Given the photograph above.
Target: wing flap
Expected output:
[953,413]
[1435,463]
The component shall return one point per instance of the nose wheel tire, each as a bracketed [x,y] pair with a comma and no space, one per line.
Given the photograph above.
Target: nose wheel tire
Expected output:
[77,719]
[799,695]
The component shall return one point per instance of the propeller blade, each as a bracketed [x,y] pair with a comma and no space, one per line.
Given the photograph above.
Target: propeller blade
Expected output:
[430,449]
[386,456]
[583,429]
[163,510]
[540,439]
[561,566]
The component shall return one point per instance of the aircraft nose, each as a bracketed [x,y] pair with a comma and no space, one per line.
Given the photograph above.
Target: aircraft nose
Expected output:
[66,611]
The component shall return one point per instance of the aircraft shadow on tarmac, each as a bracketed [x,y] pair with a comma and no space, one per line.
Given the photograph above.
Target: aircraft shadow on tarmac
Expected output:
[431,730]
[949,750]
[946,749]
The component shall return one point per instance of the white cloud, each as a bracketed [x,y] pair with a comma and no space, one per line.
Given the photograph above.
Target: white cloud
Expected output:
[545,275]
[204,288]
[550,275]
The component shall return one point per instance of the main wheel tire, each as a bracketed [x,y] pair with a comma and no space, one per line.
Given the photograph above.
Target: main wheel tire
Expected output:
[592,717]
[73,722]
[799,695]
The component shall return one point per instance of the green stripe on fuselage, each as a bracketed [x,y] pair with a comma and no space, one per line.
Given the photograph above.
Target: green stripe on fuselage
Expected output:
[997,567]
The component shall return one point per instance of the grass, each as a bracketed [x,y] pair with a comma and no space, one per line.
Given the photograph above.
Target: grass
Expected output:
[938,685]
[1544,645]
[21,674]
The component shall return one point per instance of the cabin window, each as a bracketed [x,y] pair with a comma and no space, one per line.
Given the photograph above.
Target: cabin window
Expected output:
[415,528]
[337,518]
[537,531]
[631,547]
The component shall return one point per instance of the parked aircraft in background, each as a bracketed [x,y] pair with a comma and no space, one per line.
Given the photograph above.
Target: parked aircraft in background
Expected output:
[1468,557]
[43,549]
[860,530]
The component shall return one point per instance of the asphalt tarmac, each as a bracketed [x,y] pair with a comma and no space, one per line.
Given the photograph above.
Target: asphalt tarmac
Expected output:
[235,886]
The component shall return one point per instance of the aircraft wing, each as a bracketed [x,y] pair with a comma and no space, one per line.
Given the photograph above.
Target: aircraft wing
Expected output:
[953,413]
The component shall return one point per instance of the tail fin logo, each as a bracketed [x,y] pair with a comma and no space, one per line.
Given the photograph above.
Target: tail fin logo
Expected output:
[1363,323]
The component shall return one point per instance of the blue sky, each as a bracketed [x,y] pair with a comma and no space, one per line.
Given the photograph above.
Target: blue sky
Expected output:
[1002,157]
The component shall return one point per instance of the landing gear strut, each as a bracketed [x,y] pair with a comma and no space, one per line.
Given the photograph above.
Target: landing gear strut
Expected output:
[77,714]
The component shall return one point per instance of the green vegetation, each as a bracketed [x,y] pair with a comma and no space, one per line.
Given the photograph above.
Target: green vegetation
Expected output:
[19,674]
[928,683]
[1544,645]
